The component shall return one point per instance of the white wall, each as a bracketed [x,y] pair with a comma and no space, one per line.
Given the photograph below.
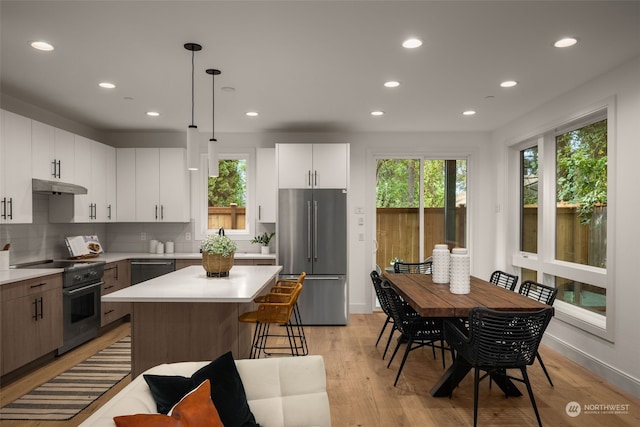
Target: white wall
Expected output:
[617,361]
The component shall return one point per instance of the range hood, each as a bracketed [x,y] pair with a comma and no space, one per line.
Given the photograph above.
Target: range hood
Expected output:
[56,187]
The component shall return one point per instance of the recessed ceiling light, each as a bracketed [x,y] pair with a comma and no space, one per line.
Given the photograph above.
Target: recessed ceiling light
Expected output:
[228,89]
[377,113]
[42,45]
[565,42]
[468,113]
[412,43]
[106,85]
[251,113]
[391,83]
[153,113]
[508,83]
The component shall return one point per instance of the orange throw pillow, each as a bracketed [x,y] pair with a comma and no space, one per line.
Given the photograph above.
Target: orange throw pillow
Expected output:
[196,409]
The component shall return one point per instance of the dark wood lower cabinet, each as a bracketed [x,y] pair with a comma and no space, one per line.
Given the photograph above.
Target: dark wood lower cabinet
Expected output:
[31,319]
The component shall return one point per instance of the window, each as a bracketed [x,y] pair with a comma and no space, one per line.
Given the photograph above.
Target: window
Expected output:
[529,200]
[227,196]
[419,203]
[563,218]
[226,201]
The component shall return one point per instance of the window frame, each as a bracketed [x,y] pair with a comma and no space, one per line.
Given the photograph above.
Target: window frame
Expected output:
[544,262]
[200,193]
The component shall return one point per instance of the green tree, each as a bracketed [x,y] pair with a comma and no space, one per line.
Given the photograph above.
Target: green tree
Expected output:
[581,161]
[230,185]
[398,182]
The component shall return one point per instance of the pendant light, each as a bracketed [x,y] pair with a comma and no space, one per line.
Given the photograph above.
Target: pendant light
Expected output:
[213,142]
[193,136]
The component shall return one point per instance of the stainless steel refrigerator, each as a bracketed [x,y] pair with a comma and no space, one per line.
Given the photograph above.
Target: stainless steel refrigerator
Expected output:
[312,237]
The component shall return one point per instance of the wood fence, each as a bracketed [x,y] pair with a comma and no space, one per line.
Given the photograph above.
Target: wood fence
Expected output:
[397,232]
[580,243]
[230,218]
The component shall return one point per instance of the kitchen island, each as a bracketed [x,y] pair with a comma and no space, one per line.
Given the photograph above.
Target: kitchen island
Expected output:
[187,316]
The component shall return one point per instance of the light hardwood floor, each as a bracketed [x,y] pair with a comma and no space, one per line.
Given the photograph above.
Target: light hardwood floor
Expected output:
[361,391]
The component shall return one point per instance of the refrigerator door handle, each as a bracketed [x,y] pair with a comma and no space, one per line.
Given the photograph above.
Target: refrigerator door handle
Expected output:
[315,230]
[309,231]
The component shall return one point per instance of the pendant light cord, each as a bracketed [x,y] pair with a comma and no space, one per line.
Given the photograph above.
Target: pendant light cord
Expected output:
[213,106]
[192,85]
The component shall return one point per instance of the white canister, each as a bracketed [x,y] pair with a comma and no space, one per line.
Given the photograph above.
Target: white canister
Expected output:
[4,260]
[153,246]
[168,247]
[160,248]
[440,266]
[459,276]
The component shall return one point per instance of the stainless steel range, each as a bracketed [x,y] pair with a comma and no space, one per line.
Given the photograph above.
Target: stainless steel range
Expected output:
[81,284]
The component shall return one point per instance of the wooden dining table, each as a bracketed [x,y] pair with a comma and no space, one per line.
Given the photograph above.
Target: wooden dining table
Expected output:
[431,299]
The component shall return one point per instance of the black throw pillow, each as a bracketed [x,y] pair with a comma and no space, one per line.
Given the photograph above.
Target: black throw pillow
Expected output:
[227,391]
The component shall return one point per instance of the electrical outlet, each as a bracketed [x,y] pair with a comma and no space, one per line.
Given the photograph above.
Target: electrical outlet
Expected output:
[143,236]
[187,236]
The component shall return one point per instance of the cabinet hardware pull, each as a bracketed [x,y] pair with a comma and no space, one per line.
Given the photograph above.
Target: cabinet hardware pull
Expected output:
[59,169]
[161,211]
[156,212]
[35,309]
[109,207]
[41,308]
[117,271]
[4,208]
[38,285]
[54,168]
[309,178]
[10,207]
[108,287]
[259,212]
[109,312]
[315,178]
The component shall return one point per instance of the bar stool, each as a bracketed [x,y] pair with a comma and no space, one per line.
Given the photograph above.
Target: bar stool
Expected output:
[288,286]
[276,308]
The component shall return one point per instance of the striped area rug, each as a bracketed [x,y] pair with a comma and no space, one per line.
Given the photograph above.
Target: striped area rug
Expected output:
[70,392]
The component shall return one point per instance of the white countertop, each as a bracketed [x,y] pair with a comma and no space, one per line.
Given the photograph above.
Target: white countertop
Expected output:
[191,284]
[17,274]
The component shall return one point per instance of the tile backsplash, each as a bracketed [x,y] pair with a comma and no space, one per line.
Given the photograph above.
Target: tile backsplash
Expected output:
[44,240]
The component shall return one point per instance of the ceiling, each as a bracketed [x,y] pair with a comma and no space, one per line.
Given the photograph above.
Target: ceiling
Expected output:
[307,65]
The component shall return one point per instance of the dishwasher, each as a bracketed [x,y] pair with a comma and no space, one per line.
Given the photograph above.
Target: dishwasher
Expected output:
[145,269]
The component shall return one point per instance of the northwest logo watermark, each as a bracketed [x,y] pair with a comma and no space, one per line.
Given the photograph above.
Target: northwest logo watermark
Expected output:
[573,409]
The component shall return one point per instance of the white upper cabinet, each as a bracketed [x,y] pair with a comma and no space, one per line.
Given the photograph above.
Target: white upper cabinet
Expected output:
[126,184]
[266,184]
[312,165]
[53,156]
[15,176]
[110,207]
[156,182]
[83,202]
[175,198]
[90,171]
[98,173]
[147,184]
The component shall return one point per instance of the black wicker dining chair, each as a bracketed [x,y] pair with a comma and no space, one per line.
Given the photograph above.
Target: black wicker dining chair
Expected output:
[497,341]
[424,267]
[504,280]
[417,331]
[544,294]
[384,304]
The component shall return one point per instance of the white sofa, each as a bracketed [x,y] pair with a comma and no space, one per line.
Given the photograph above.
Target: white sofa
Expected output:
[282,392]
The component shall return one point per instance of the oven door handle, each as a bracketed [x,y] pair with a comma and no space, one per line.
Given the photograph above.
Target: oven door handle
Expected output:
[84,288]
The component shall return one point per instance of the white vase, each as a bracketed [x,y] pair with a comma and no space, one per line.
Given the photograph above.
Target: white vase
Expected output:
[264,250]
[459,276]
[440,266]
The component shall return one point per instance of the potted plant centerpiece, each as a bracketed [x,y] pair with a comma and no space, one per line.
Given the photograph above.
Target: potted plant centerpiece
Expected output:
[263,239]
[217,254]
